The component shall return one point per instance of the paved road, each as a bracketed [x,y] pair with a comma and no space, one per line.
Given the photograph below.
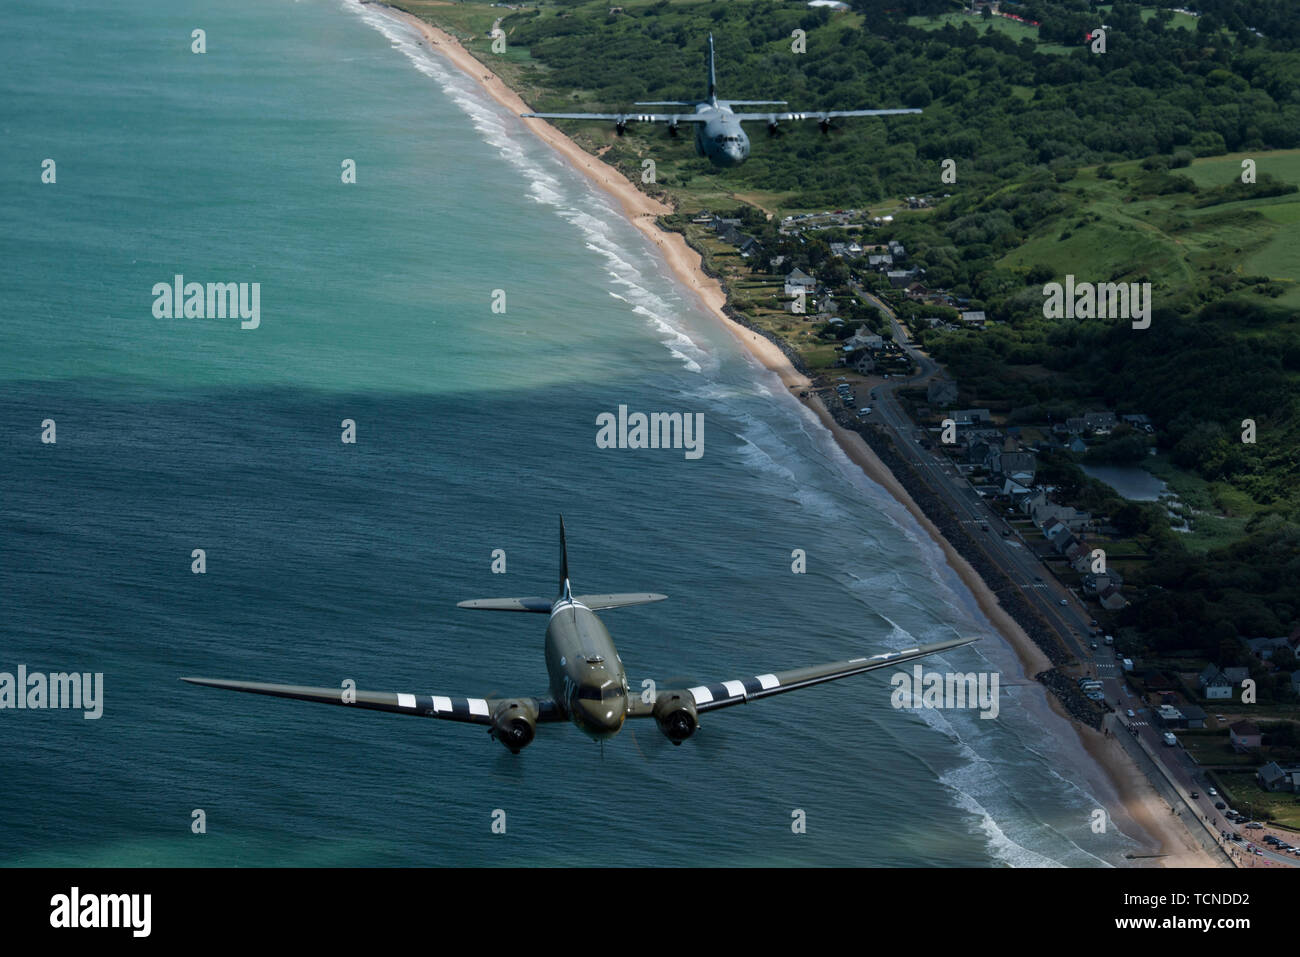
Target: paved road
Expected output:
[1059,607]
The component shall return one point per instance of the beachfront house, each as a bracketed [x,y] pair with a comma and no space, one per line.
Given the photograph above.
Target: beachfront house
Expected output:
[1099,422]
[799,282]
[1111,599]
[1019,467]
[1182,716]
[862,339]
[969,417]
[973,319]
[1094,583]
[1236,675]
[1263,648]
[1040,510]
[1014,491]
[1276,777]
[1214,683]
[1245,736]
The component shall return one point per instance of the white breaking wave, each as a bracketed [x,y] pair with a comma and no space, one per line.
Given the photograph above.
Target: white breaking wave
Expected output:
[498,129]
[975,784]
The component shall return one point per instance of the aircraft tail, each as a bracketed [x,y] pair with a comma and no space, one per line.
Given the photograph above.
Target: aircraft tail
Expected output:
[713,80]
[564,563]
[544,605]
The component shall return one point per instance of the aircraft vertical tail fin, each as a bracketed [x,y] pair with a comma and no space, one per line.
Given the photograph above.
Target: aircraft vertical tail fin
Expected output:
[564,563]
[713,81]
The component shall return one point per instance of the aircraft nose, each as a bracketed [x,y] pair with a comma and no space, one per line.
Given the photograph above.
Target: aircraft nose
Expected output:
[603,718]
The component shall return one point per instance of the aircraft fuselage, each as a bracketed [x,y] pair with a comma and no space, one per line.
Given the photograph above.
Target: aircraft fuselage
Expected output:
[720,138]
[586,674]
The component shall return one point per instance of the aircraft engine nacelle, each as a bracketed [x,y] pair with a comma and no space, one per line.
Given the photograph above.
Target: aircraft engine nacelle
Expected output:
[514,723]
[620,128]
[676,717]
[673,130]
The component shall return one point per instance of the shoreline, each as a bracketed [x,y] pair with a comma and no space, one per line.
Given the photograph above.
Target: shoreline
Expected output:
[1146,812]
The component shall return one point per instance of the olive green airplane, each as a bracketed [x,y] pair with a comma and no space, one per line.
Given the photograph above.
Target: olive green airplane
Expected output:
[588,685]
[718,135]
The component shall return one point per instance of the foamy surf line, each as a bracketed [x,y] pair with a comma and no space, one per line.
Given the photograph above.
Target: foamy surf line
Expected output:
[639,210]
[498,128]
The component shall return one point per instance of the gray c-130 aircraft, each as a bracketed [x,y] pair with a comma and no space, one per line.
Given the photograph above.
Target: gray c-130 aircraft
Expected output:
[588,685]
[718,135]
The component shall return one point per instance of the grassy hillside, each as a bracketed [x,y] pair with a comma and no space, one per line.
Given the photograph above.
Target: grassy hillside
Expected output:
[1122,233]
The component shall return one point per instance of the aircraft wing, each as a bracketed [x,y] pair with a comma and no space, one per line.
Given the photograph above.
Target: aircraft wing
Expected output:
[539,605]
[447,707]
[623,117]
[817,115]
[602,602]
[710,697]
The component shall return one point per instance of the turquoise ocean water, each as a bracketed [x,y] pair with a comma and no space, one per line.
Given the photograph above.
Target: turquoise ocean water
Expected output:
[475,429]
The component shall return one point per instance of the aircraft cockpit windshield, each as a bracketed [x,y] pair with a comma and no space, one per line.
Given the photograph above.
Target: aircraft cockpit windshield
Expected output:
[609,691]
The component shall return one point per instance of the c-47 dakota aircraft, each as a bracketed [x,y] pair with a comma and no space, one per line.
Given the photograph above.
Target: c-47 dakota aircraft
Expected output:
[588,685]
[717,126]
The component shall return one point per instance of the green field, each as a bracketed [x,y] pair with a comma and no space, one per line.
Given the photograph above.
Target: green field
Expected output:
[1249,798]
[1167,239]
[1011,28]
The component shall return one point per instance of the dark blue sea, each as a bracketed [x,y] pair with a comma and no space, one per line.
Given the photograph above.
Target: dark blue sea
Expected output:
[475,430]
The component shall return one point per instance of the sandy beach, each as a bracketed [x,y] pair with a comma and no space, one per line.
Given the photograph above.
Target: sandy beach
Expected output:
[1149,819]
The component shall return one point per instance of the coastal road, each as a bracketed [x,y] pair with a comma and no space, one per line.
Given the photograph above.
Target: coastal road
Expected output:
[1060,608]
[1062,611]
[1188,779]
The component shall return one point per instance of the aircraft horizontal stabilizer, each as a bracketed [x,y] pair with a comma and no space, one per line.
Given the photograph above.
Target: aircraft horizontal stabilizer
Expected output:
[540,605]
[601,602]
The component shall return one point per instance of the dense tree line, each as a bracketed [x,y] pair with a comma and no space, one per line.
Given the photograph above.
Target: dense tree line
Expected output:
[997,106]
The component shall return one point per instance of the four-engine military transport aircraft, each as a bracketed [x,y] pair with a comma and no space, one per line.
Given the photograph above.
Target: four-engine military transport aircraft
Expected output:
[717,126]
[588,685]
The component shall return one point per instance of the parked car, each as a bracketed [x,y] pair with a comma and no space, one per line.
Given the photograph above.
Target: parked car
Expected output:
[1211,792]
[1130,712]
[1219,805]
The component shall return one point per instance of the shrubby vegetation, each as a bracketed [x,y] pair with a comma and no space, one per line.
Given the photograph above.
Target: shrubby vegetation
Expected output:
[997,106]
